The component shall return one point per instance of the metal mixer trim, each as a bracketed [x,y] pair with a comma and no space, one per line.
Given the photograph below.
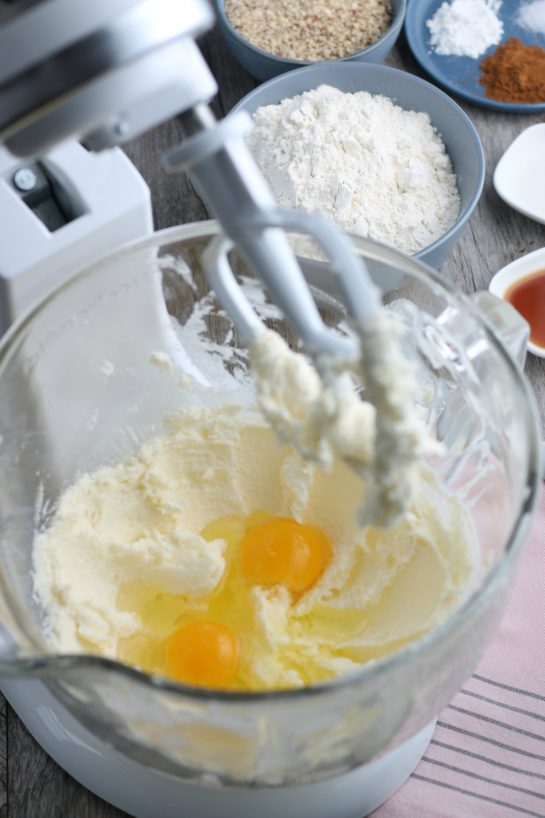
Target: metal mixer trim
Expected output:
[125,39]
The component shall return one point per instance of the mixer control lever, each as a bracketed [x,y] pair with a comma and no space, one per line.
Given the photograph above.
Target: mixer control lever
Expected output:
[45,196]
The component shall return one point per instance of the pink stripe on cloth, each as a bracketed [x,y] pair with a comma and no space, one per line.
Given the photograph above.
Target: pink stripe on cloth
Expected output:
[487,756]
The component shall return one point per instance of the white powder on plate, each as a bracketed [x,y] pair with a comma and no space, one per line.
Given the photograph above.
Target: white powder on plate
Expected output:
[465,28]
[361,161]
[531,16]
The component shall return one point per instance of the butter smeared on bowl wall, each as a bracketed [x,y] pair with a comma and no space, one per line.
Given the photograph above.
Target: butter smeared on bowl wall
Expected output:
[171,561]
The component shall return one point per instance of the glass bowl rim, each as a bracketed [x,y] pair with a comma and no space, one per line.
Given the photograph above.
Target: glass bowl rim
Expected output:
[45,664]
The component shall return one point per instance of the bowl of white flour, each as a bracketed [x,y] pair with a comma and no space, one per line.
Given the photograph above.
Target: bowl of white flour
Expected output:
[380,152]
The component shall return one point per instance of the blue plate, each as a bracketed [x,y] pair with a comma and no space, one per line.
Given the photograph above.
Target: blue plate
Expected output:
[461,74]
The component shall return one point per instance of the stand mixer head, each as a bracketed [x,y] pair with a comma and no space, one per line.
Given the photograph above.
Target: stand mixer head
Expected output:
[101,72]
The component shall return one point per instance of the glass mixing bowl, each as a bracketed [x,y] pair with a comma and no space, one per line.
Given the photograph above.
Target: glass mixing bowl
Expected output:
[81,386]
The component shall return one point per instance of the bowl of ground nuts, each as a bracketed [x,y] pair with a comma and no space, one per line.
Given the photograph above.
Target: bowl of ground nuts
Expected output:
[271,37]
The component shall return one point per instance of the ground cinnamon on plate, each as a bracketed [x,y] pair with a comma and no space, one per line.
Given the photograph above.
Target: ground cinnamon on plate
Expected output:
[515,72]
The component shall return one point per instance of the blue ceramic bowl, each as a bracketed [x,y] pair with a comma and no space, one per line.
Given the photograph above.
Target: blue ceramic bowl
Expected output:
[412,93]
[263,65]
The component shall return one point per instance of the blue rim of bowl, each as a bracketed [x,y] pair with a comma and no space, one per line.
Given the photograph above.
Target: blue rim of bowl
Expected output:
[394,29]
[466,213]
[429,67]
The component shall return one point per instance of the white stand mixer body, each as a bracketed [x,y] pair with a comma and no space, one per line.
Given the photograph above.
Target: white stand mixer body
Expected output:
[114,206]
[145,793]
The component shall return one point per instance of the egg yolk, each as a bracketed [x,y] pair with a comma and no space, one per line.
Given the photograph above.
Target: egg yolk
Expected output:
[211,641]
[282,551]
[202,653]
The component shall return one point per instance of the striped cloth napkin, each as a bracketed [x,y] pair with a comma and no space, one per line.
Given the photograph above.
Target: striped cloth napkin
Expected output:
[487,757]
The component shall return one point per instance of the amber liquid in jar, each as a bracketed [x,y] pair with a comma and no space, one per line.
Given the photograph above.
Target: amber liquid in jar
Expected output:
[527,295]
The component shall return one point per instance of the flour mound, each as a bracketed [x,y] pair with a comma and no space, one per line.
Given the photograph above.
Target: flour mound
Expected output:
[358,159]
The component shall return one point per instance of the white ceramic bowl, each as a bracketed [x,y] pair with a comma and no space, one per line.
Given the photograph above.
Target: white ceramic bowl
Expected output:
[519,177]
[515,271]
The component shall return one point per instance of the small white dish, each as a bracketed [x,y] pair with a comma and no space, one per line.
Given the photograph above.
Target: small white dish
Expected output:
[515,271]
[519,177]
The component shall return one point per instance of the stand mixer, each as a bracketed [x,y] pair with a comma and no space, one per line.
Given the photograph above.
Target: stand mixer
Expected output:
[102,73]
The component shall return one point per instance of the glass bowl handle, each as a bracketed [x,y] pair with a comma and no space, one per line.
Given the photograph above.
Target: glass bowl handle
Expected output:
[511,329]
[508,324]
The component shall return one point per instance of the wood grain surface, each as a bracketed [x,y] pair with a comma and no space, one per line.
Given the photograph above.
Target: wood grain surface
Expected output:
[31,784]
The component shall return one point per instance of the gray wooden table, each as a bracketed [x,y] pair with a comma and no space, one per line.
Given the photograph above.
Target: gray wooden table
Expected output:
[33,786]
